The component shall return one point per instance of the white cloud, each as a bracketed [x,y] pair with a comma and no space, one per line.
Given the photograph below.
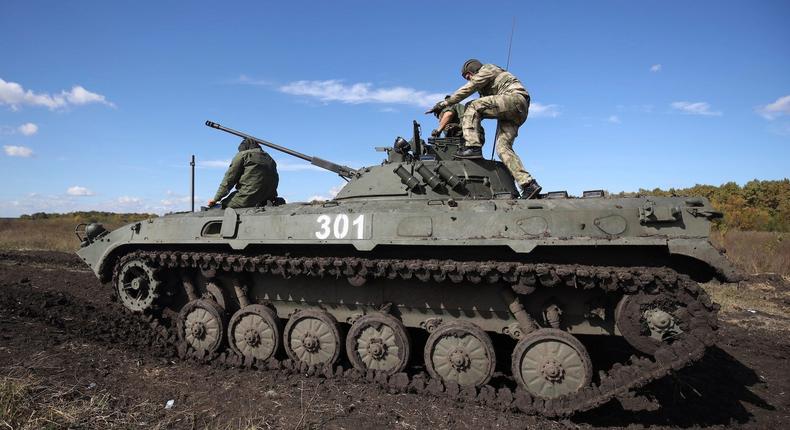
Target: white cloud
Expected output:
[614,119]
[364,92]
[337,91]
[79,191]
[695,108]
[286,166]
[539,110]
[655,68]
[36,202]
[246,80]
[213,164]
[17,151]
[128,200]
[177,199]
[81,96]
[282,166]
[331,194]
[28,129]
[776,109]
[645,108]
[14,95]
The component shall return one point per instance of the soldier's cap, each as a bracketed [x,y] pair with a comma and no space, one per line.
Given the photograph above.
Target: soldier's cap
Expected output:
[472,65]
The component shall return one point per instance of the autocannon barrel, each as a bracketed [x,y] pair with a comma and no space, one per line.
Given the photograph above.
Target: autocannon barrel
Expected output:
[344,171]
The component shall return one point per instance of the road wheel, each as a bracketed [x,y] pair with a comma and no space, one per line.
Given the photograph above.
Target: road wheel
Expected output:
[254,332]
[312,337]
[378,342]
[550,363]
[460,352]
[201,324]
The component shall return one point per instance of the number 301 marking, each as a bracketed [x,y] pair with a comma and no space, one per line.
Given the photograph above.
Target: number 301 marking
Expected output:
[339,229]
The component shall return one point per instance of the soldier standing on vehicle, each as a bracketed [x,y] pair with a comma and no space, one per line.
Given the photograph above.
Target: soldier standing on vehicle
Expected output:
[502,96]
[449,120]
[254,174]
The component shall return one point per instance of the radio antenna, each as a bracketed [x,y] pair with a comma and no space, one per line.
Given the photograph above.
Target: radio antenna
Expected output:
[510,43]
[507,66]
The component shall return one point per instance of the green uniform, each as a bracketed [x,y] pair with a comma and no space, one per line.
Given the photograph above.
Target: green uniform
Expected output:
[453,128]
[502,96]
[254,174]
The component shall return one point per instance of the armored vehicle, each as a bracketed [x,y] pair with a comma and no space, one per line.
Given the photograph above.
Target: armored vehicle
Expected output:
[428,262]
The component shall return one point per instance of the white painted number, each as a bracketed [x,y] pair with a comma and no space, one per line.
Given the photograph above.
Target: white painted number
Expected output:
[339,229]
[324,232]
[341,226]
[359,222]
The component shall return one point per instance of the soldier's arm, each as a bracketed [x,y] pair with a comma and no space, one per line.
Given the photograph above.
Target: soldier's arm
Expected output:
[479,80]
[231,178]
[445,119]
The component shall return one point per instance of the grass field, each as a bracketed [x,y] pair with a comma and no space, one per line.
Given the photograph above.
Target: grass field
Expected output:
[752,251]
[53,234]
[756,251]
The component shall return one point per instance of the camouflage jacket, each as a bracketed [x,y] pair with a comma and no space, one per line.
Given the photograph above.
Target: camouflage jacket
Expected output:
[490,80]
[254,174]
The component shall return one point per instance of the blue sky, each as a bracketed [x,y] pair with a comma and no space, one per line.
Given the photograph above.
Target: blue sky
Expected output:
[102,103]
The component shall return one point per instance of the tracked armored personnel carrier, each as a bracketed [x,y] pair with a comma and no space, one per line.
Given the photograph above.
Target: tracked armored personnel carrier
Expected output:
[427,262]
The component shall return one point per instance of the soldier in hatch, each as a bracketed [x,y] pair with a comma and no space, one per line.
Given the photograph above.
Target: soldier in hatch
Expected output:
[254,174]
[449,120]
[502,96]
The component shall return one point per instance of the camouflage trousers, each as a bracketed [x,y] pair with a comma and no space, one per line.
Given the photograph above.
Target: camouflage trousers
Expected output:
[511,111]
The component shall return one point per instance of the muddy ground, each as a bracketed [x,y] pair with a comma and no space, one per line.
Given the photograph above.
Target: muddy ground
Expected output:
[74,359]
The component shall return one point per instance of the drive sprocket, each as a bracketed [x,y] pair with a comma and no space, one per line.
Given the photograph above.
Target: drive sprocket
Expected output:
[137,285]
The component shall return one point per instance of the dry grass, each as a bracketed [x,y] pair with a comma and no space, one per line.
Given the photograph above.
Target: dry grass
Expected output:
[28,403]
[750,296]
[55,234]
[760,301]
[756,251]
[753,304]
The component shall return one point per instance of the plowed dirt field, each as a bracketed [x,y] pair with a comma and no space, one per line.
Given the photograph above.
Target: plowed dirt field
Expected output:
[69,357]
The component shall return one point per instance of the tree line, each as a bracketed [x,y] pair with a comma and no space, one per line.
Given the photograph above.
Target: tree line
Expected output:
[757,206]
[91,216]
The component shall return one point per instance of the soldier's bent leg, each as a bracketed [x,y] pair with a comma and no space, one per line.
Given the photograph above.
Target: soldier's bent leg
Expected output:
[228,202]
[476,111]
[506,135]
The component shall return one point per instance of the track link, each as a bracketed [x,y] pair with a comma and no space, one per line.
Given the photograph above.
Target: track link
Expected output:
[618,382]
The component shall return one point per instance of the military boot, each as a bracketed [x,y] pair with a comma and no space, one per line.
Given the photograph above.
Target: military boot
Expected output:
[531,190]
[469,152]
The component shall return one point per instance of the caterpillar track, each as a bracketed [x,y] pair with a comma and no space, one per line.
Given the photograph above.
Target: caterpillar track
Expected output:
[696,318]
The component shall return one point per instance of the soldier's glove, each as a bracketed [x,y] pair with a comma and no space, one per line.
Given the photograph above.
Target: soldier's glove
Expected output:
[437,108]
[436,133]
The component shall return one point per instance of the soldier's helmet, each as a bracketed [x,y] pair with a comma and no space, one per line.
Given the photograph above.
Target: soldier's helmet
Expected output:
[472,65]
